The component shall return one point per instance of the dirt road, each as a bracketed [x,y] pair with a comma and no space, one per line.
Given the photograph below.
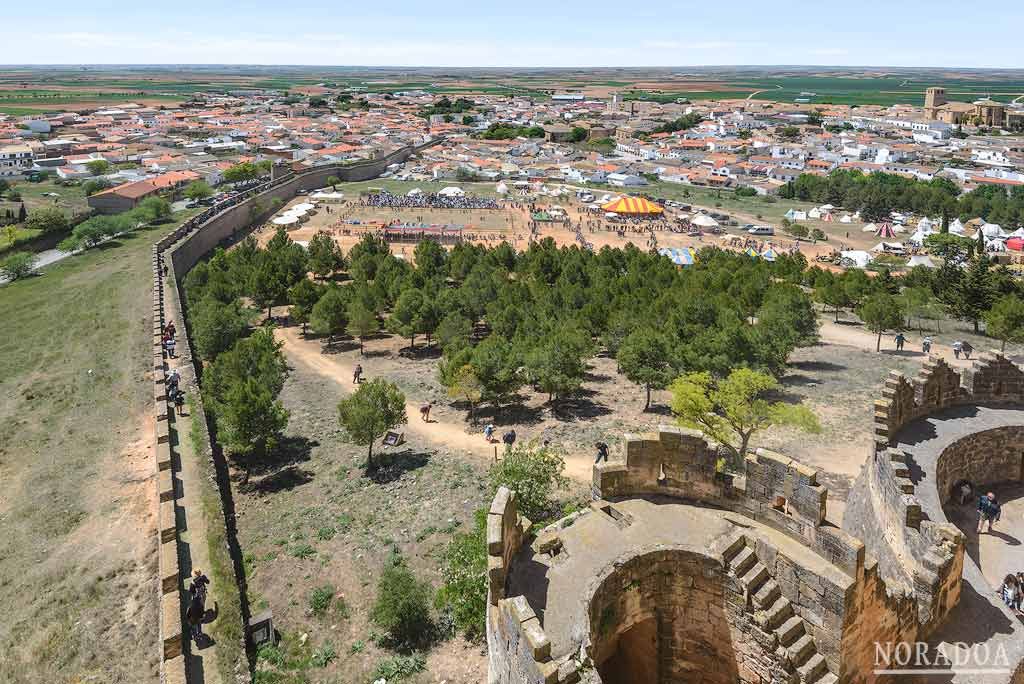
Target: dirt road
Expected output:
[452,435]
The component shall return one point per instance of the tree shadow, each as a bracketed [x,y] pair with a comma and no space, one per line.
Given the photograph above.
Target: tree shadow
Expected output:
[578,408]
[596,377]
[819,366]
[660,410]
[510,414]
[290,450]
[282,480]
[339,346]
[390,466]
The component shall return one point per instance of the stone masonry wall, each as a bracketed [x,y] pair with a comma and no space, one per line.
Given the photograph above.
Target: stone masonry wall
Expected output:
[983,458]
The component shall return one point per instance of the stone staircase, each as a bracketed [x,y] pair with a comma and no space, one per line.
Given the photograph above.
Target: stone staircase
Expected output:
[774,613]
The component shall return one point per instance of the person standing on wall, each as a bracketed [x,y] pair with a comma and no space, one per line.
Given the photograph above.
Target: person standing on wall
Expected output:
[988,510]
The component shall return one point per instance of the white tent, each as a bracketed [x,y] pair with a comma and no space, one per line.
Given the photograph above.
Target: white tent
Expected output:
[956,227]
[303,206]
[857,257]
[846,219]
[925,224]
[501,189]
[921,260]
[414,192]
[869,228]
[329,197]
[1017,233]
[452,191]
[991,230]
[285,220]
[889,247]
[919,235]
[704,221]
[995,245]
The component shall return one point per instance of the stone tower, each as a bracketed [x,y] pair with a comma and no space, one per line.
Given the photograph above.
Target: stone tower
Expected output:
[933,99]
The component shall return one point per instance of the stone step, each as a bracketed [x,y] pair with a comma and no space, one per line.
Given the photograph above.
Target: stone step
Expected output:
[813,669]
[767,594]
[754,577]
[826,678]
[791,630]
[778,613]
[743,560]
[731,551]
[802,650]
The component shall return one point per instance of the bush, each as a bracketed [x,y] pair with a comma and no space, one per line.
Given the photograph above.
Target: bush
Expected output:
[323,656]
[403,606]
[533,474]
[18,265]
[464,573]
[47,220]
[399,667]
[818,234]
[320,599]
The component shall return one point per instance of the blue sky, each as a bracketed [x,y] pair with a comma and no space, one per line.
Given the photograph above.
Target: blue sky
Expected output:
[525,33]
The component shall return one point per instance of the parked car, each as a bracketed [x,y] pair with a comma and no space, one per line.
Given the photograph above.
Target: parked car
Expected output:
[761,230]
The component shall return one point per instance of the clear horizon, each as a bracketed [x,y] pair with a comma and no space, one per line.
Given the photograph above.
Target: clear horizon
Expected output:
[571,34]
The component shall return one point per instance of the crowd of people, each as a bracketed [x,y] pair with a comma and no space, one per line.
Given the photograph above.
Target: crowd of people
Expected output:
[432,200]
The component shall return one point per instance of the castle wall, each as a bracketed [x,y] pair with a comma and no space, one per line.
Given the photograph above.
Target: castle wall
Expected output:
[983,458]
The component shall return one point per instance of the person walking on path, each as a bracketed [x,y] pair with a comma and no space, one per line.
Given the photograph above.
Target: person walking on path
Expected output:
[988,510]
[425,412]
[966,348]
[957,348]
[509,438]
[489,433]
[926,345]
[900,339]
[602,452]
[200,583]
[179,402]
[194,615]
[357,374]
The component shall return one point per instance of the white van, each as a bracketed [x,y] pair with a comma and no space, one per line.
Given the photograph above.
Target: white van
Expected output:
[761,230]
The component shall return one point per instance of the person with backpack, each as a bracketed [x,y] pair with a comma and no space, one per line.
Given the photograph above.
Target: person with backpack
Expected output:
[602,452]
[989,511]
[194,614]
[179,402]
[509,438]
[357,374]
[489,433]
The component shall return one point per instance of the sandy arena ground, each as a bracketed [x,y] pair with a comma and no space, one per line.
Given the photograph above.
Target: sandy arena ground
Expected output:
[348,222]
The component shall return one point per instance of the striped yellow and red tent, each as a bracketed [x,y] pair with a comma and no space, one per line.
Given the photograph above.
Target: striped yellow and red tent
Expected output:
[633,205]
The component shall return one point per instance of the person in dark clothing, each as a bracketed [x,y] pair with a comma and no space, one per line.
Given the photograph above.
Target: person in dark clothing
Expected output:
[900,339]
[179,402]
[988,510]
[509,438]
[194,614]
[966,348]
[357,374]
[602,452]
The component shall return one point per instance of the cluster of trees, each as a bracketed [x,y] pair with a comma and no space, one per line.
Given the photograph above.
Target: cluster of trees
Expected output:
[46,220]
[966,287]
[506,320]
[446,106]
[875,195]
[244,370]
[502,131]
[683,123]
[245,171]
[95,230]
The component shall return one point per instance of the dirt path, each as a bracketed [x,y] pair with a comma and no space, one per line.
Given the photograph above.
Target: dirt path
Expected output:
[852,335]
[452,435]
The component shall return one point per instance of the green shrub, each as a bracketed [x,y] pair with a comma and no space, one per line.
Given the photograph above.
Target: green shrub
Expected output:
[533,474]
[403,605]
[320,599]
[464,573]
[18,265]
[397,668]
[323,656]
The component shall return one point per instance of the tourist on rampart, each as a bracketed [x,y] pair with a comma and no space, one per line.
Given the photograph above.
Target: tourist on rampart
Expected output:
[988,510]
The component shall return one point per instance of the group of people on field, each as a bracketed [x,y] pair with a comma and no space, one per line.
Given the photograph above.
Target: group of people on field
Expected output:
[432,200]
